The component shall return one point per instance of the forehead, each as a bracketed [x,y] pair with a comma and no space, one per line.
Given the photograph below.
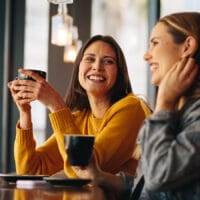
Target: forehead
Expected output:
[160,30]
[100,47]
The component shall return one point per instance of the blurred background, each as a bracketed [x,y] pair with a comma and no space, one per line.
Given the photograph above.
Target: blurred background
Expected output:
[26,31]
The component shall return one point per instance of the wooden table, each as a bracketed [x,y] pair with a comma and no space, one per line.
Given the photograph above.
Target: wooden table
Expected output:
[12,192]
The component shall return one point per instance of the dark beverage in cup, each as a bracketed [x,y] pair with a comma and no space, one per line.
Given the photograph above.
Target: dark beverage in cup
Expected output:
[26,77]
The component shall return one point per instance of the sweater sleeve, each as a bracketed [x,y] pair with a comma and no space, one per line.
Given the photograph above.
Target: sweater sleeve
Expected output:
[170,154]
[44,160]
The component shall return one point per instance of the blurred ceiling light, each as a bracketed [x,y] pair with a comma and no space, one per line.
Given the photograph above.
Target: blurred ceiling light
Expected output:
[63,33]
[70,51]
[61,30]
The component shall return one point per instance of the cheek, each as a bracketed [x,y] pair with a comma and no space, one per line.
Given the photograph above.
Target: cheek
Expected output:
[169,62]
[81,78]
[113,75]
[172,55]
[80,74]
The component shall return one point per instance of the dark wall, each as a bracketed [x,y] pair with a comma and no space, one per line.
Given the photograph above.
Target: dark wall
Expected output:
[2,9]
[59,73]
[12,53]
[81,12]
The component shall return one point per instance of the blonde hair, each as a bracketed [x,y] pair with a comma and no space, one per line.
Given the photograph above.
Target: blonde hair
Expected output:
[180,26]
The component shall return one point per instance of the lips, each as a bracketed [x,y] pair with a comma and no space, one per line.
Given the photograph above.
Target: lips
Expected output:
[96,78]
[153,66]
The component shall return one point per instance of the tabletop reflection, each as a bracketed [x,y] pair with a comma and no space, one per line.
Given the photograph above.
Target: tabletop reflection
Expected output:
[53,193]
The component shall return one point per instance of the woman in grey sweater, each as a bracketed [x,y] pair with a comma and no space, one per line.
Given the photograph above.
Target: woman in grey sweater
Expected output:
[170,138]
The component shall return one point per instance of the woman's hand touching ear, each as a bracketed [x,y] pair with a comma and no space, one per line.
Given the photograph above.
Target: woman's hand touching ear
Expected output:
[175,83]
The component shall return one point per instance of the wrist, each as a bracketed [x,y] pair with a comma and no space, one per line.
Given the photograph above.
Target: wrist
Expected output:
[159,108]
[25,120]
[24,125]
[164,105]
[57,106]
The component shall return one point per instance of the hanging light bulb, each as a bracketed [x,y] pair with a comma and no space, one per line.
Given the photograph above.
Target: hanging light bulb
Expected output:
[62,25]
[70,51]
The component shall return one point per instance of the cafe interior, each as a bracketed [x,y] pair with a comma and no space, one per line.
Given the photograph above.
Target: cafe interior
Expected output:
[30,38]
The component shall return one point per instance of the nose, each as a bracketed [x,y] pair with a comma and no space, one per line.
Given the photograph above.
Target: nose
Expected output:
[147,56]
[97,65]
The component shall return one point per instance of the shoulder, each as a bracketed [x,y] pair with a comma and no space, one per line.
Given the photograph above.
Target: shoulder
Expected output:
[131,101]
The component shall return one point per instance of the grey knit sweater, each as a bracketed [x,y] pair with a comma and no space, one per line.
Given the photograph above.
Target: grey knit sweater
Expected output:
[170,160]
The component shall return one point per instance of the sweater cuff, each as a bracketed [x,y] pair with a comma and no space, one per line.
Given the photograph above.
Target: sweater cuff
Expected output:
[62,121]
[163,115]
[24,136]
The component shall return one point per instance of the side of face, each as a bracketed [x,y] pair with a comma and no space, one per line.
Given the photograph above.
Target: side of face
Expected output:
[98,69]
[163,52]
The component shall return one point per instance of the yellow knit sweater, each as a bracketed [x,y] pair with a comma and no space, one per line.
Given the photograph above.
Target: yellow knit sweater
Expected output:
[115,139]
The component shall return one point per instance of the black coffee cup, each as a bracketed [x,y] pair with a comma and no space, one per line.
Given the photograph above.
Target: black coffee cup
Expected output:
[26,77]
[79,149]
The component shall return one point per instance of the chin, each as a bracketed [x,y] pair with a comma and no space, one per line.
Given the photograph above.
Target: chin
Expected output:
[155,82]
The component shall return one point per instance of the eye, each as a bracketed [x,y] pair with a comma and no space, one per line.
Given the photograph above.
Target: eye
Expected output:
[108,61]
[89,59]
[153,43]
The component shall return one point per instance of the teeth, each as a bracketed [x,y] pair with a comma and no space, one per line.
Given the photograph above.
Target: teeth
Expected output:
[153,68]
[96,78]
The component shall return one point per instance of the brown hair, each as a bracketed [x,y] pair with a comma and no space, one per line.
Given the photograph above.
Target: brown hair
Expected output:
[180,26]
[76,97]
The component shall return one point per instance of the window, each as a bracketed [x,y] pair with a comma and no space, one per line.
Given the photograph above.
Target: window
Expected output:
[126,21]
[36,55]
[179,6]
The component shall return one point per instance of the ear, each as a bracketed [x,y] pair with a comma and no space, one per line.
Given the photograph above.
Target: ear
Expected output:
[190,47]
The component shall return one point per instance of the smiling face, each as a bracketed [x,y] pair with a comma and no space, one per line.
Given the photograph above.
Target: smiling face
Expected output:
[163,52]
[98,69]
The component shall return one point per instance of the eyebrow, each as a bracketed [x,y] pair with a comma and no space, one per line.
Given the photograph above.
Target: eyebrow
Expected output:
[154,38]
[91,54]
[88,54]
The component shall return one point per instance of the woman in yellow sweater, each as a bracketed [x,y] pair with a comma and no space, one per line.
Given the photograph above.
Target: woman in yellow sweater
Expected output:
[99,102]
